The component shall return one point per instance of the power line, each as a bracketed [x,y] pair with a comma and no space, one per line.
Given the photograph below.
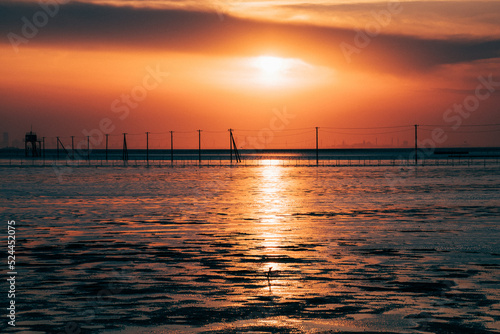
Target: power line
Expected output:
[370,128]
[461,126]
[367,133]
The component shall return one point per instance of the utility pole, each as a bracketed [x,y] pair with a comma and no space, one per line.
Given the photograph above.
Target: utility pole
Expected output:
[416,145]
[125,151]
[107,135]
[172,147]
[73,147]
[317,155]
[147,148]
[231,146]
[199,147]
[43,149]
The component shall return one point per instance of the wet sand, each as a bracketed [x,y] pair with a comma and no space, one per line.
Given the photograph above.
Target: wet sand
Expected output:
[265,249]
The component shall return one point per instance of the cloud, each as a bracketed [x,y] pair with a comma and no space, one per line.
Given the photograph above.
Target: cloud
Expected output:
[87,26]
[418,18]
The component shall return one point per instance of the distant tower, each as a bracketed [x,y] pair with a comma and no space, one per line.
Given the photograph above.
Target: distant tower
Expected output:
[31,145]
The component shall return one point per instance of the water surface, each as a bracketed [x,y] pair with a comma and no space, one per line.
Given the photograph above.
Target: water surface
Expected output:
[265,249]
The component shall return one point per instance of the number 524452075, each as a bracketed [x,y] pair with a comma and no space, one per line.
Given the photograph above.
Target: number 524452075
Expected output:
[11,244]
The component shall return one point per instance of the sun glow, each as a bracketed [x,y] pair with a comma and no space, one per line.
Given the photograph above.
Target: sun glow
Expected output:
[263,72]
[273,70]
[270,65]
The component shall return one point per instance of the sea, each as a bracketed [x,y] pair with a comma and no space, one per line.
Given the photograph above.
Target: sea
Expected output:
[257,248]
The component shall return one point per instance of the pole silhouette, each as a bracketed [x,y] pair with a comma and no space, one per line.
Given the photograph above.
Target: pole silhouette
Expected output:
[199,147]
[416,145]
[172,147]
[147,148]
[317,155]
[231,146]
[125,151]
[234,148]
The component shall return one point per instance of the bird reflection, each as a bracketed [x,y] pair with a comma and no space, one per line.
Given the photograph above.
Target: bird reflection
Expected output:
[269,278]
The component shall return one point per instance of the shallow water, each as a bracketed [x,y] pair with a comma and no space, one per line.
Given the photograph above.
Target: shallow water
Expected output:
[266,249]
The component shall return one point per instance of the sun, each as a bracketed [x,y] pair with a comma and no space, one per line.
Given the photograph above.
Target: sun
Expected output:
[267,71]
[271,70]
[270,65]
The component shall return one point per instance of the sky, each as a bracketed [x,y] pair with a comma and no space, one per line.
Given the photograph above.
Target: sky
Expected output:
[362,71]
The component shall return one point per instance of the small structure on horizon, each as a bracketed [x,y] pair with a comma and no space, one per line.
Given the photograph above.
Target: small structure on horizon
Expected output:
[32,146]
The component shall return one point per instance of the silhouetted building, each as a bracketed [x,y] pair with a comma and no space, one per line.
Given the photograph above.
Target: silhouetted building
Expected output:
[32,147]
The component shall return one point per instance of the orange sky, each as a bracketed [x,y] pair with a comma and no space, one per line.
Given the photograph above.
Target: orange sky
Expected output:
[158,66]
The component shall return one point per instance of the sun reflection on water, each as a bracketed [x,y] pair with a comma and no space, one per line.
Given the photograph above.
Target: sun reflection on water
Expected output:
[271,228]
[272,194]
